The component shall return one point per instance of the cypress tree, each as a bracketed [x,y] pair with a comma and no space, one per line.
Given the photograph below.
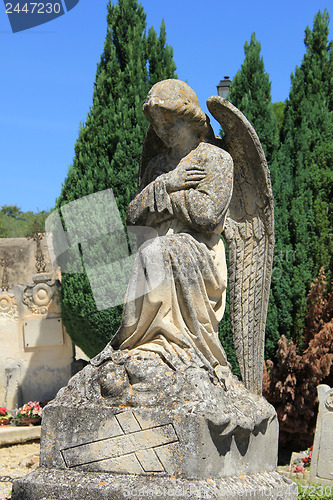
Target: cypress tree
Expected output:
[307,147]
[108,149]
[250,92]
[161,63]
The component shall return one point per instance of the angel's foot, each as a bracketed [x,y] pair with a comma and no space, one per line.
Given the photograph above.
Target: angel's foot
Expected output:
[224,376]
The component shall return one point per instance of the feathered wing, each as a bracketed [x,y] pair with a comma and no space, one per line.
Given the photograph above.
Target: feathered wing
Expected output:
[249,232]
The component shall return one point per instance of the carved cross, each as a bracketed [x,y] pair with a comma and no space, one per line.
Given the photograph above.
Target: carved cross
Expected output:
[37,236]
[5,262]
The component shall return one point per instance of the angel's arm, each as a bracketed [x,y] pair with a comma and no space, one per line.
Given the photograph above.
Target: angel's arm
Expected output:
[151,205]
[203,207]
[197,192]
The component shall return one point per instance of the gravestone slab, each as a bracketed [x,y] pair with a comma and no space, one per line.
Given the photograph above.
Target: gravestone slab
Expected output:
[322,455]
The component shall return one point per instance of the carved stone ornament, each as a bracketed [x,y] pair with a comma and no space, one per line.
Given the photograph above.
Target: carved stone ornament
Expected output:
[329,401]
[38,296]
[37,236]
[8,307]
[5,262]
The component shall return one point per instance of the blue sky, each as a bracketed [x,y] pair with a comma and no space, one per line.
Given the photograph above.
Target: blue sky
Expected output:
[47,75]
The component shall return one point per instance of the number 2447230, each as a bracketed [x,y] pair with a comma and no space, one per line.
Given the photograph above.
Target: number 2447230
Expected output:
[32,7]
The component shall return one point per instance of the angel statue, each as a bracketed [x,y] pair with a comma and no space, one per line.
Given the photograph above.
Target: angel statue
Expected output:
[161,398]
[193,187]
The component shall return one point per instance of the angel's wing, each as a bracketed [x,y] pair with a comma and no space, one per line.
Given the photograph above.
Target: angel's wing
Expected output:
[249,232]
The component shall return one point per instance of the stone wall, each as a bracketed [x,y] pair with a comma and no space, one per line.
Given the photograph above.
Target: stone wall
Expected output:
[36,352]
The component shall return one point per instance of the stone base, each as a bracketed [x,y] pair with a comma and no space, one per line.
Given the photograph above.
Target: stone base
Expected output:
[52,484]
[153,441]
[323,481]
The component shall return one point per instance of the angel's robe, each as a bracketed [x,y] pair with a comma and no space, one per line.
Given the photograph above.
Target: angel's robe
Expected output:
[180,316]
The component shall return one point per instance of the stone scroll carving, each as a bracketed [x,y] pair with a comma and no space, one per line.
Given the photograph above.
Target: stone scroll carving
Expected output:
[37,296]
[8,306]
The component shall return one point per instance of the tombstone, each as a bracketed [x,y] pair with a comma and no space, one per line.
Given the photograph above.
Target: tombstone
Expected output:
[321,470]
[36,352]
[158,413]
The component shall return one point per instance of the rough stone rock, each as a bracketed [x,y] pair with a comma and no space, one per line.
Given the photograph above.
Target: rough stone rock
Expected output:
[130,412]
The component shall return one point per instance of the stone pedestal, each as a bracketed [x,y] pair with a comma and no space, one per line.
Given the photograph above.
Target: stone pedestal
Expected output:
[153,441]
[52,484]
[114,453]
[126,425]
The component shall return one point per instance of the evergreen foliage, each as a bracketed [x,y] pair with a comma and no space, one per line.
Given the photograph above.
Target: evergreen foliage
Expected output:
[161,63]
[108,150]
[278,108]
[280,306]
[307,154]
[251,93]
[301,173]
[303,183]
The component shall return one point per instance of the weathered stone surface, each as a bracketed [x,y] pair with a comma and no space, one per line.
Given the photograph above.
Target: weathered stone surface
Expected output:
[22,252]
[36,351]
[130,412]
[322,455]
[164,442]
[46,484]
[13,435]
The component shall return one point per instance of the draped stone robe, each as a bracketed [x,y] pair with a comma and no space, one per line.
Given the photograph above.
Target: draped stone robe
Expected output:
[179,318]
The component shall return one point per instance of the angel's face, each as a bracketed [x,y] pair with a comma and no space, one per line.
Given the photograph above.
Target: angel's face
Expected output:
[171,128]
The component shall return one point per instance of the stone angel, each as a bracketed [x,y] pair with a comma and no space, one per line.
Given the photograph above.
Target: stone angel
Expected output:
[161,397]
[193,187]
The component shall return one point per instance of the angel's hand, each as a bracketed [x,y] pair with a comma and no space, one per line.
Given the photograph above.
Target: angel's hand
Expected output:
[184,177]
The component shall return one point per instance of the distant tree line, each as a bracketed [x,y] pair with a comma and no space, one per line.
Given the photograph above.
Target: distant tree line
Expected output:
[17,224]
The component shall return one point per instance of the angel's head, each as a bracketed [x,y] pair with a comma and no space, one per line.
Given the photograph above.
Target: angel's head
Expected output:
[171,107]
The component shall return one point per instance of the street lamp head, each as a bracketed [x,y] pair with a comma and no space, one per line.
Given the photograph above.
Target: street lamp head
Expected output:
[223,87]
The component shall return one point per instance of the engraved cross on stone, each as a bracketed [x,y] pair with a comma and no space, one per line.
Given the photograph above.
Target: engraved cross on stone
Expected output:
[37,236]
[5,262]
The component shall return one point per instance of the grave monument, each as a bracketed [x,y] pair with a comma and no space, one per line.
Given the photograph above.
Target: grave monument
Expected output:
[322,455]
[36,352]
[158,413]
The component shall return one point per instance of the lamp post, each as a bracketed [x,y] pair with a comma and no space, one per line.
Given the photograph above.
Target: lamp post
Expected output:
[223,87]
